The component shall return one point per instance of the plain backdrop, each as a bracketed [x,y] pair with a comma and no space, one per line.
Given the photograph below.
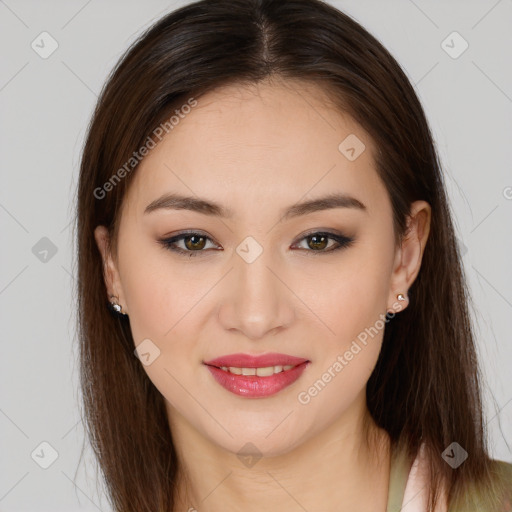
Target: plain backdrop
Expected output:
[46,104]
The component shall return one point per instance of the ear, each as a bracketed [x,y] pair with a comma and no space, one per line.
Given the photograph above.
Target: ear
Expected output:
[409,254]
[110,271]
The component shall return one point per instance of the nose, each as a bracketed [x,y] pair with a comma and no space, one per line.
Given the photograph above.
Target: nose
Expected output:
[256,301]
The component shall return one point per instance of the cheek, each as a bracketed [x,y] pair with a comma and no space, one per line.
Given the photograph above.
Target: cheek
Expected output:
[338,388]
[346,359]
[353,300]
[160,294]
[161,309]
[150,304]
[353,308]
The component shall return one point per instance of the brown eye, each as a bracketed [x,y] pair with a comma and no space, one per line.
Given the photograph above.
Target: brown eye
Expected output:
[317,242]
[194,242]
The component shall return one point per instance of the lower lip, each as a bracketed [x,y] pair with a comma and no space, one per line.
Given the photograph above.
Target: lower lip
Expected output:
[252,386]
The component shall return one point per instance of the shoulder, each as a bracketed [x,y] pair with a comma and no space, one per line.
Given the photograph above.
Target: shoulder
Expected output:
[415,496]
[495,498]
[502,469]
[502,476]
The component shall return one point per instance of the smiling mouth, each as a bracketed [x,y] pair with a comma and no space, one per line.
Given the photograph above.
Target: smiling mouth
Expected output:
[257,382]
[266,371]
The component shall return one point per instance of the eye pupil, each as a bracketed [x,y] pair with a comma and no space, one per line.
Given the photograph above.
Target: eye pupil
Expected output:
[194,246]
[323,239]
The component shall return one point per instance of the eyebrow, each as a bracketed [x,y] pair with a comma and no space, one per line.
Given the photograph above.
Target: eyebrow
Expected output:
[207,207]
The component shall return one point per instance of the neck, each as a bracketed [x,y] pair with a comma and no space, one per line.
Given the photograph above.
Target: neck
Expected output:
[344,468]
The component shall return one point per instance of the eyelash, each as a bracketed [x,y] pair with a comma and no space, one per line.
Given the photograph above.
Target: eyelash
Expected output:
[341,240]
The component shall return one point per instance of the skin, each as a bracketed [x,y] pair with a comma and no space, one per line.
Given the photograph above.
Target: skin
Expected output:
[257,150]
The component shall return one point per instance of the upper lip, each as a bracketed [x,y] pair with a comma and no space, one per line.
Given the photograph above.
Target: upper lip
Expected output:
[255,361]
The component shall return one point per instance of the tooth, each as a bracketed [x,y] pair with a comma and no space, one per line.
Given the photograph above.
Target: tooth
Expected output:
[261,372]
[265,372]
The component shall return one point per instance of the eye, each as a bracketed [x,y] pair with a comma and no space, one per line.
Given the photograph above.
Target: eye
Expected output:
[194,243]
[318,241]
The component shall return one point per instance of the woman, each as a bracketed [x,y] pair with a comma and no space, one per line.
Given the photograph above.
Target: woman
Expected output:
[272,306]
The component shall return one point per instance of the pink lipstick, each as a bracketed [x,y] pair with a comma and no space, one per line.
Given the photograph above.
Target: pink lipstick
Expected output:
[256,376]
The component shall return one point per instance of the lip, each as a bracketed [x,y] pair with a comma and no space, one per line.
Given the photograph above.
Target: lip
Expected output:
[253,386]
[255,361]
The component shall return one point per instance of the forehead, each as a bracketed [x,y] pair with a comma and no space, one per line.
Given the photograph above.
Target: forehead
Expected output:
[243,144]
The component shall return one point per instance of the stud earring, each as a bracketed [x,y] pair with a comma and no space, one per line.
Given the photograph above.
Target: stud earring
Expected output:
[401,297]
[116,306]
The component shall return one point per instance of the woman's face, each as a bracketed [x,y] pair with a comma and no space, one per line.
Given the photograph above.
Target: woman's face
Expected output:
[257,281]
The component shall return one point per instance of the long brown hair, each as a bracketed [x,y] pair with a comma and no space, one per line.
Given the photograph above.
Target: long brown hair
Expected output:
[426,384]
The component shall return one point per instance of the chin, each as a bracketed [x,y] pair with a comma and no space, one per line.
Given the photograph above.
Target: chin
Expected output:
[259,441]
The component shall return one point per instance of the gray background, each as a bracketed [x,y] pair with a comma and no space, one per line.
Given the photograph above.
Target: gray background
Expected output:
[45,107]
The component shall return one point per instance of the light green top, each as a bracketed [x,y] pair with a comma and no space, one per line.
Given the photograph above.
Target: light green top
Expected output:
[399,473]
